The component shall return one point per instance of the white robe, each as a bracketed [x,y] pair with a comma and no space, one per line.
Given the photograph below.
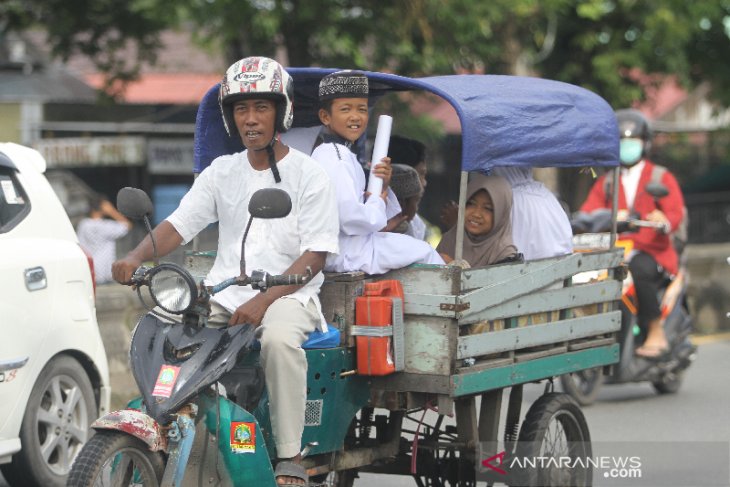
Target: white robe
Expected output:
[417,228]
[362,246]
[540,226]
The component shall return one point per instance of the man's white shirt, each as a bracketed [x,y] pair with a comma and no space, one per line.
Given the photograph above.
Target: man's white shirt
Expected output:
[221,193]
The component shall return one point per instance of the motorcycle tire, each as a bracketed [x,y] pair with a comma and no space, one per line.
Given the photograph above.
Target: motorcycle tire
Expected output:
[553,415]
[60,408]
[668,384]
[341,478]
[101,458]
[583,386]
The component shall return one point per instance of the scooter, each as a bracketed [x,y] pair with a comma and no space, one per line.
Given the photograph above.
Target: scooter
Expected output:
[203,415]
[666,371]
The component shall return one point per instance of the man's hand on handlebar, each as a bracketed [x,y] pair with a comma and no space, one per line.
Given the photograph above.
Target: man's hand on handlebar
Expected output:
[123,269]
[252,311]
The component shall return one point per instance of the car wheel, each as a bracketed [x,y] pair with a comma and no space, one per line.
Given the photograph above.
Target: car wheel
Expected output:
[55,426]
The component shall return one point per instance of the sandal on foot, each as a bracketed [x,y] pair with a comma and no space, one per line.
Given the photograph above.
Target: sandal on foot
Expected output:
[286,468]
[651,352]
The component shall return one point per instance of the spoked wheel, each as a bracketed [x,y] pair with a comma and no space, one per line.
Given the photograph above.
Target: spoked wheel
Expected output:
[583,385]
[440,461]
[114,459]
[344,478]
[357,434]
[554,428]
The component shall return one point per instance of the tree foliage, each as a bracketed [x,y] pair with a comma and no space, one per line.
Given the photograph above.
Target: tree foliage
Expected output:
[118,36]
[609,46]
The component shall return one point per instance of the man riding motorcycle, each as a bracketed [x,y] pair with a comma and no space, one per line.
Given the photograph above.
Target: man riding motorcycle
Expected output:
[256,104]
[654,257]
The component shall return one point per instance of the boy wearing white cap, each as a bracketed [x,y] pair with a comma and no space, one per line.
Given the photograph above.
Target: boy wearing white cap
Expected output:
[366,220]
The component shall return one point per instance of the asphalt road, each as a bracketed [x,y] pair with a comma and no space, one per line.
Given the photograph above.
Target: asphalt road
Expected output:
[671,434]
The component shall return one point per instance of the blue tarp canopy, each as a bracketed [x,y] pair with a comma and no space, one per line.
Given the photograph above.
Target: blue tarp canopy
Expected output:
[505,120]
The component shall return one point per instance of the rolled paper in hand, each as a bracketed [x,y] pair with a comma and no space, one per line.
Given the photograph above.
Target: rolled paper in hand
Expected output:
[380,150]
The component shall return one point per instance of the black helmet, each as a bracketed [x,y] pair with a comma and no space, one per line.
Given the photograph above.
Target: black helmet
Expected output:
[633,124]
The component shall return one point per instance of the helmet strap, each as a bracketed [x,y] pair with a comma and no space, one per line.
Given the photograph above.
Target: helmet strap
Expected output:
[272,161]
[272,158]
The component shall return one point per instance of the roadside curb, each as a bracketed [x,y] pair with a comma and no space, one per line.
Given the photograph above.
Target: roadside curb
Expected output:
[712,338]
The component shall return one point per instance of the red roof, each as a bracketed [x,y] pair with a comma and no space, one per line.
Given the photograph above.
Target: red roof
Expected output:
[172,88]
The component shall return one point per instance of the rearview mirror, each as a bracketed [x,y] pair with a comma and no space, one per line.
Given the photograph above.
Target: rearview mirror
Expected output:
[264,203]
[134,203]
[269,203]
[657,189]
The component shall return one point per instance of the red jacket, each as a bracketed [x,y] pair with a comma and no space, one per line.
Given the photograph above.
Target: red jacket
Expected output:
[656,244]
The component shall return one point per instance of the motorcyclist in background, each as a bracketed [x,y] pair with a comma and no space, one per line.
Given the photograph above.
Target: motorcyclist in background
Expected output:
[654,257]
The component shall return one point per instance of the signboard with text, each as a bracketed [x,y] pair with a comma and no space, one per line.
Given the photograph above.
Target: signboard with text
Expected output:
[170,156]
[92,151]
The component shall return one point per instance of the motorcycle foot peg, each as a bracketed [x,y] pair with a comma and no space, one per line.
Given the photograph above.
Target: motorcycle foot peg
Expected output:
[305,451]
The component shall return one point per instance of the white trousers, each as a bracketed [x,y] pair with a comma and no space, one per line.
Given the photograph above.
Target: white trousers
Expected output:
[285,327]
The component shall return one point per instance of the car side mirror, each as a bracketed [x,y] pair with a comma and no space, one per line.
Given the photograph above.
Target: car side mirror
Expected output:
[269,203]
[134,203]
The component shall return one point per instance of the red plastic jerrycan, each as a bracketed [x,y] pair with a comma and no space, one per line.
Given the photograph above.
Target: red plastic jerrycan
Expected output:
[375,309]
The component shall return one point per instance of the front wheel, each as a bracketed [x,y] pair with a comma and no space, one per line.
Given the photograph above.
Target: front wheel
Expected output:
[554,428]
[669,383]
[114,458]
[55,425]
[583,386]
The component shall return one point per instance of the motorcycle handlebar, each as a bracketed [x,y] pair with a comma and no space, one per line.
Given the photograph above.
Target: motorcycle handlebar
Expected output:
[262,280]
[286,280]
[663,227]
[622,226]
[138,277]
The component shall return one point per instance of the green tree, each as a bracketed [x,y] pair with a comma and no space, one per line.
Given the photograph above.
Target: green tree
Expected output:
[606,46]
[603,45]
[106,31]
[599,44]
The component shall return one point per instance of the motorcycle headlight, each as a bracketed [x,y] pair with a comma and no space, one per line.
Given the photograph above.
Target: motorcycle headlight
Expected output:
[172,288]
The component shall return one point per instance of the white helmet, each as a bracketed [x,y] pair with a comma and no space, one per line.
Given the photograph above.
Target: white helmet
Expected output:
[257,77]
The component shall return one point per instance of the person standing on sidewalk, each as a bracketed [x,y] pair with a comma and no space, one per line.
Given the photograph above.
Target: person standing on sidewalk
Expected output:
[98,233]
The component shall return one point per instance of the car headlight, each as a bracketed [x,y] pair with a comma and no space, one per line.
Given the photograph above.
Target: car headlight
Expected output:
[172,288]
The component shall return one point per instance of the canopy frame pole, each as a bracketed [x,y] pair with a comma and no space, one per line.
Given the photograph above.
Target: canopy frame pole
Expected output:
[196,238]
[614,205]
[460,218]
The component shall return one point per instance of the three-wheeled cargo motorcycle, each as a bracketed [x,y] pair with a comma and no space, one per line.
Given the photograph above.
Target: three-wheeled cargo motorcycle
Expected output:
[202,418]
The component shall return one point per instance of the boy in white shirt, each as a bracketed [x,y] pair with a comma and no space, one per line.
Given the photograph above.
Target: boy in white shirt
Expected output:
[365,241]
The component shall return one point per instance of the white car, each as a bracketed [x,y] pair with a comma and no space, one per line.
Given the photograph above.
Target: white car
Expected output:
[54,377]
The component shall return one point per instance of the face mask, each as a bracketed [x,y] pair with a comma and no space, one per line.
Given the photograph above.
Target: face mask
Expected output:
[630,151]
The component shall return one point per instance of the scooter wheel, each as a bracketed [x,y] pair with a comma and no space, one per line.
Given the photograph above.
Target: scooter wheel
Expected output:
[118,458]
[583,386]
[669,383]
